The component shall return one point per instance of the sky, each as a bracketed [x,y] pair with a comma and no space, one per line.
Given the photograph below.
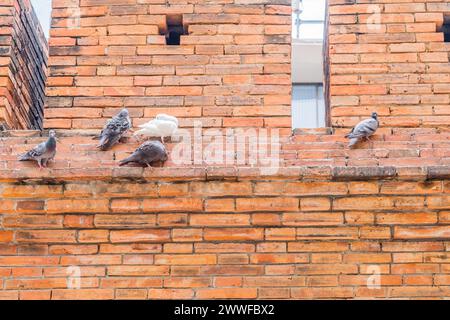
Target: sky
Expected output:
[43,9]
[313,9]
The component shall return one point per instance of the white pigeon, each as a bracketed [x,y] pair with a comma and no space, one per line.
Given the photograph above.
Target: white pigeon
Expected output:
[162,126]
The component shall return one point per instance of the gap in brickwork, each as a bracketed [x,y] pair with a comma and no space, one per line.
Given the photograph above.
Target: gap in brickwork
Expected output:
[446,28]
[175,29]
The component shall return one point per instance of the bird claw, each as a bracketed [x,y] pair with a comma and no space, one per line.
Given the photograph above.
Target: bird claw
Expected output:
[149,166]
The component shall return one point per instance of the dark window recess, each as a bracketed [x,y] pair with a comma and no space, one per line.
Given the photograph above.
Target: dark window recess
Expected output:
[175,29]
[446,28]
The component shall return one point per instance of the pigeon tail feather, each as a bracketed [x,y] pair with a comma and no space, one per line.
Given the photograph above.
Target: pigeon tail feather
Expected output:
[125,161]
[105,143]
[353,142]
[353,136]
[25,157]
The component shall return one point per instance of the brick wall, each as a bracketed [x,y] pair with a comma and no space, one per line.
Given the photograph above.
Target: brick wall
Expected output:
[316,229]
[386,56]
[173,234]
[319,228]
[232,67]
[389,56]
[23,63]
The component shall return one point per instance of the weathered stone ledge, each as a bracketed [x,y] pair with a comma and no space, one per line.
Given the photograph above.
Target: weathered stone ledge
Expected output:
[137,174]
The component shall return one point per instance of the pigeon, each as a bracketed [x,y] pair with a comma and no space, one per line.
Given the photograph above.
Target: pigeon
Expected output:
[147,153]
[162,126]
[364,129]
[43,152]
[114,130]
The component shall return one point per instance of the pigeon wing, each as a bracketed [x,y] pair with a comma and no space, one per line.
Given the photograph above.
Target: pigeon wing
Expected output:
[147,153]
[364,129]
[148,124]
[113,131]
[367,127]
[151,131]
[152,151]
[166,128]
[166,117]
[35,153]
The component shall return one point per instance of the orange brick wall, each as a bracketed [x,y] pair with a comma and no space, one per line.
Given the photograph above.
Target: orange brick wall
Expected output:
[23,64]
[317,229]
[389,56]
[319,236]
[232,69]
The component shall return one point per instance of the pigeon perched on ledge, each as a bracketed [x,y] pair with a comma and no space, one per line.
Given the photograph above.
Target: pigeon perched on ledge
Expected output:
[364,129]
[147,153]
[162,126]
[42,153]
[114,130]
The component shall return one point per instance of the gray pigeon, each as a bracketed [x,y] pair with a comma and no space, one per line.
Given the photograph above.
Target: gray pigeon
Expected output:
[147,153]
[43,152]
[114,130]
[364,129]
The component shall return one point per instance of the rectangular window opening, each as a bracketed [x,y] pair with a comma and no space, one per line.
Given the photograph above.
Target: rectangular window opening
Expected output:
[309,110]
[308,106]
[446,28]
[175,29]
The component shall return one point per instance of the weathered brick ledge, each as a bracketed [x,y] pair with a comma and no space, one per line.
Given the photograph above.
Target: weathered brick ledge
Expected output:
[407,155]
[211,232]
[137,174]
